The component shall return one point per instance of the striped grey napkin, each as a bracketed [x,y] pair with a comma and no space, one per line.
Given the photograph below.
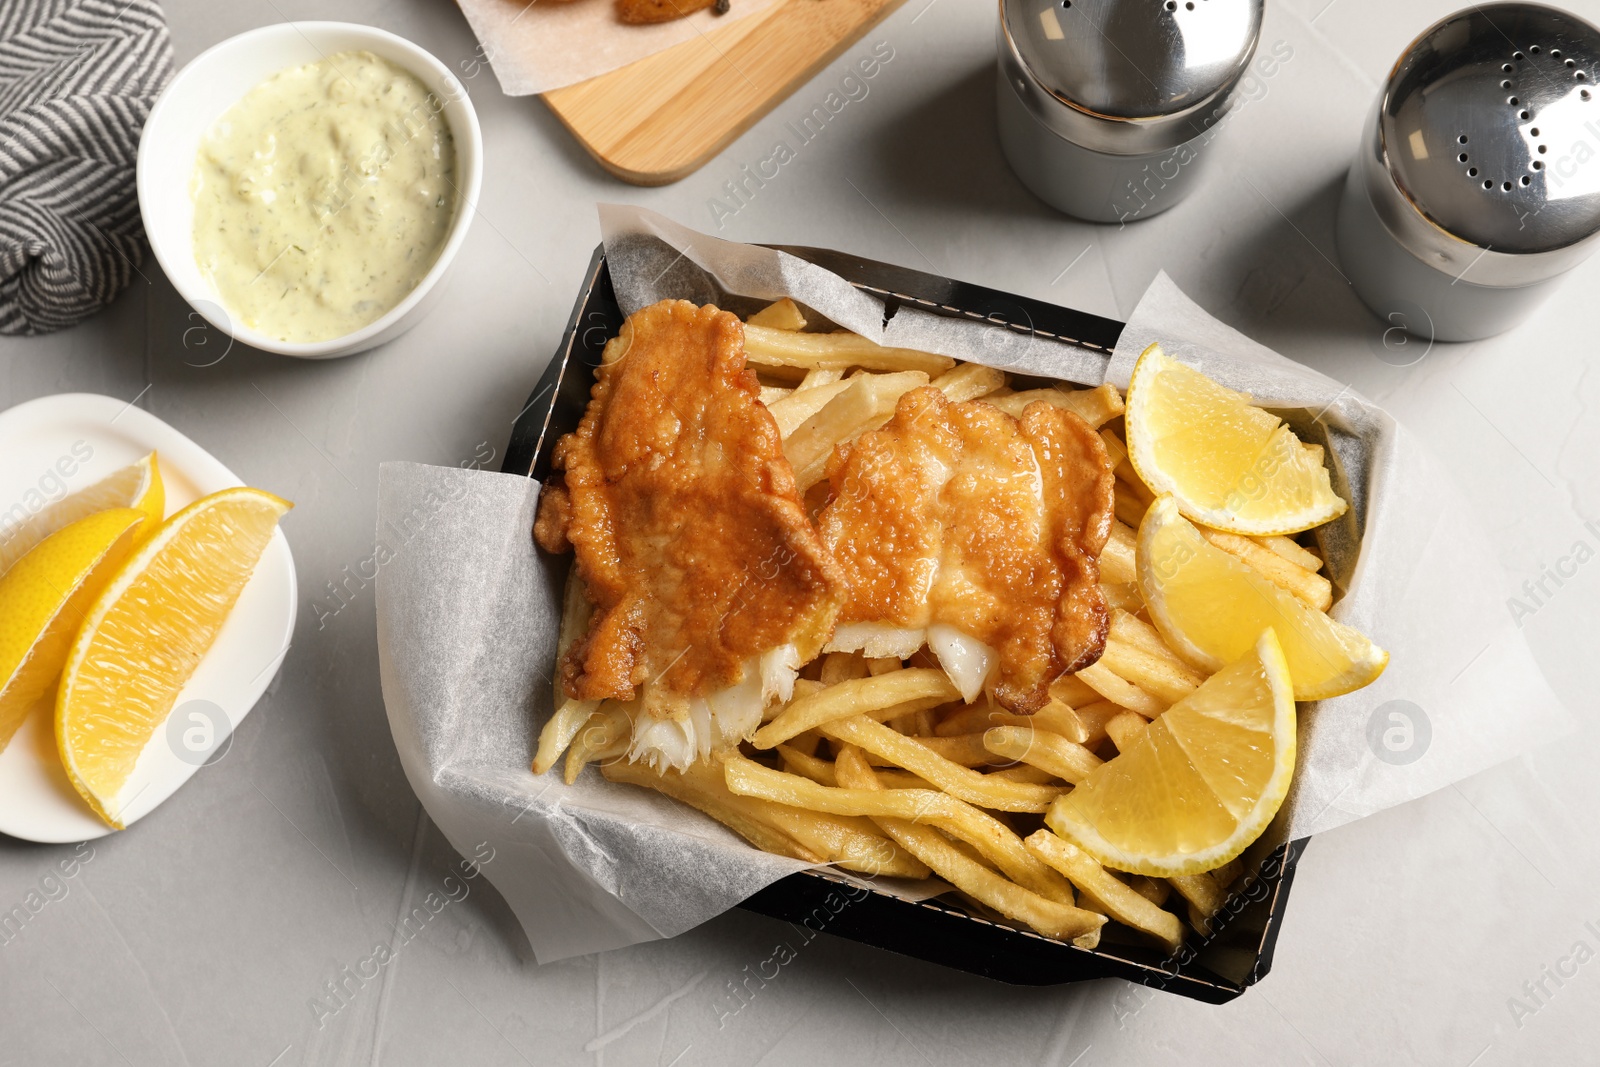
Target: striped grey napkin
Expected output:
[77,78]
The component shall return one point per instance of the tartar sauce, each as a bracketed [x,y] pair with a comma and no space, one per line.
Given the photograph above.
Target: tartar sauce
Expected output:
[324,196]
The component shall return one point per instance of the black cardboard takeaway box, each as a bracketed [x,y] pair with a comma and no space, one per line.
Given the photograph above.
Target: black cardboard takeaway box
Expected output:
[1214,968]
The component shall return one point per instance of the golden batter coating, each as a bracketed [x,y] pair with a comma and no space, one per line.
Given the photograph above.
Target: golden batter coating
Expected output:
[685,519]
[958,514]
[648,11]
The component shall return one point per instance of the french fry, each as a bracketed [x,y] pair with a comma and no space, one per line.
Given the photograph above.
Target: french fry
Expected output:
[842,667]
[783,315]
[1049,917]
[1314,589]
[986,791]
[1200,890]
[807,742]
[1157,675]
[1117,558]
[1122,903]
[792,411]
[1096,406]
[1293,551]
[1122,596]
[858,696]
[994,841]
[1071,692]
[1128,627]
[1119,690]
[1095,717]
[1128,507]
[964,749]
[972,719]
[1124,729]
[1114,448]
[1156,890]
[1049,752]
[883,665]
[558,733]
[820,376]
[852,843]
[1125,470]
[1135,487]
[1020,773]
[803,687]
[867,403]
[821,771]
[784,376]
[897,779]
[969,381]
[1228,873]
[605,736]
[785,348]
[771,394]
[806,765]
[1089,902]
[1056,717]
[698,790]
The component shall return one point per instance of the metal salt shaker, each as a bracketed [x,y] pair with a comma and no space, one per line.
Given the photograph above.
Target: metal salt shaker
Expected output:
[1476,185]
[1107,107]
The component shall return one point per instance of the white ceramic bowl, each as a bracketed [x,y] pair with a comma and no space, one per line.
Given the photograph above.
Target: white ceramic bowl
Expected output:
[211,84]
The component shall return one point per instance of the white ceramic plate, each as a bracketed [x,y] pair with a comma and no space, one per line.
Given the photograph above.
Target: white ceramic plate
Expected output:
[38,440]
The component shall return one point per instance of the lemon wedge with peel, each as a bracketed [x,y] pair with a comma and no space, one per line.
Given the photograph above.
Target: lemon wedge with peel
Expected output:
[137,486]
[1202,781]
[146,633]
[1229,464]
[43,599]
[1210,606]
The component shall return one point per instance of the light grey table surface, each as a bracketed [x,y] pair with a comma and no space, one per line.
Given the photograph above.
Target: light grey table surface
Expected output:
[1458,929]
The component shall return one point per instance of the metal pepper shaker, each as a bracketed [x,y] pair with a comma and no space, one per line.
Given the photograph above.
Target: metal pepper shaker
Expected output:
[1476,184]
[1107,107]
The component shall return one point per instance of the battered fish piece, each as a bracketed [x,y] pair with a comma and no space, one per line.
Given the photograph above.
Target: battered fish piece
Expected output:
[710,586]
[647,11]
[978,533]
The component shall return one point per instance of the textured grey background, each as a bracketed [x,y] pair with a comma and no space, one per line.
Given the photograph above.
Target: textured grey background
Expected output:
[1446,931]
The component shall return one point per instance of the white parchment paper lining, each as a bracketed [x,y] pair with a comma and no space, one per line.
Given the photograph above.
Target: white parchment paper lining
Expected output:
[468,608]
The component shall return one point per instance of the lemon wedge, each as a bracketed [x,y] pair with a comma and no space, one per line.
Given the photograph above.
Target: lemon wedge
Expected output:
[1201,783]
[146,633]
[42,603]
[137,486]
[1211,607]
[1229,464]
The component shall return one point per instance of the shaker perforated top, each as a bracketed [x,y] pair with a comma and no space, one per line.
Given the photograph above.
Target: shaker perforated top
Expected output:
[1490,124]
[1135,59]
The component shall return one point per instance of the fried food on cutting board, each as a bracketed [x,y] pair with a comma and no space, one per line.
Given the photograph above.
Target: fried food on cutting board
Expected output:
[647,11]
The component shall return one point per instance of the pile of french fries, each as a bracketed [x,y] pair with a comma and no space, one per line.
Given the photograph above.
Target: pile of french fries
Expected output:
[876,765]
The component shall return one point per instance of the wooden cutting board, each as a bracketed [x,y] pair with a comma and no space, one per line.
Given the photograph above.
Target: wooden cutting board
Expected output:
[663,117]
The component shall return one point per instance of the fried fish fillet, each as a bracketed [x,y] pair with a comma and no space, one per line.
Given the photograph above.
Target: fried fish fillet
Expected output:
[709,583]
[979,534]
[647,11]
